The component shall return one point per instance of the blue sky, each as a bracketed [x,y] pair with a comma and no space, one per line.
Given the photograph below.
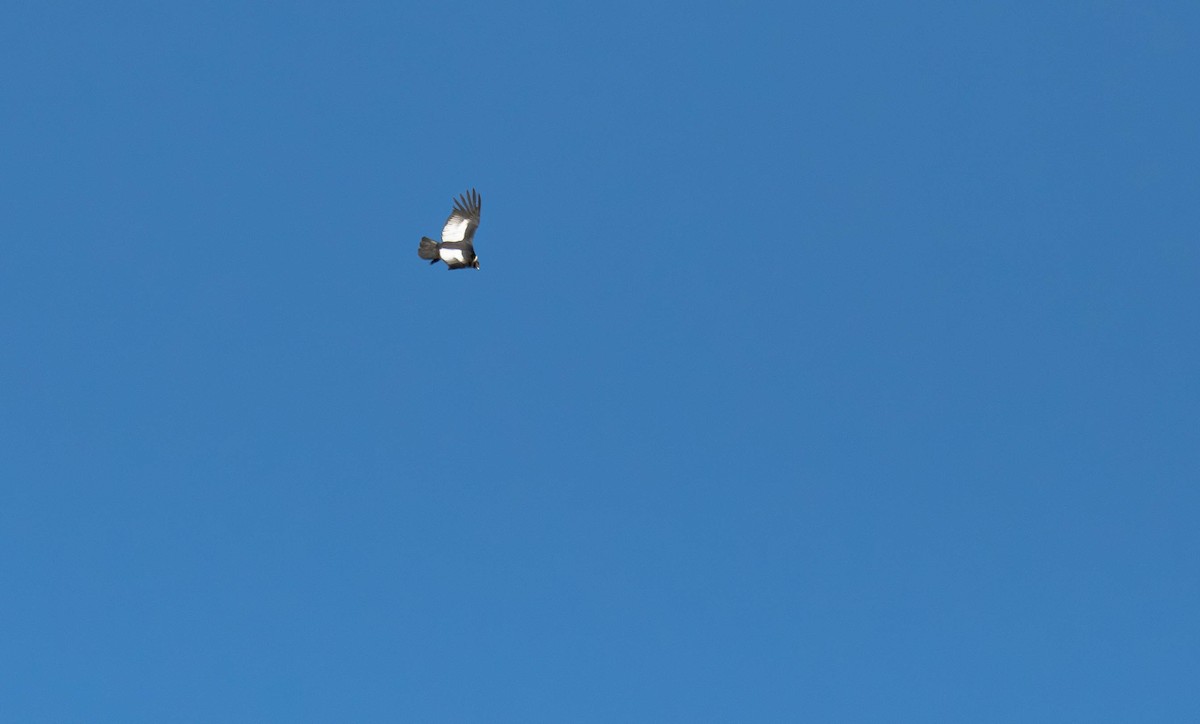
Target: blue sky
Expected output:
[828,362]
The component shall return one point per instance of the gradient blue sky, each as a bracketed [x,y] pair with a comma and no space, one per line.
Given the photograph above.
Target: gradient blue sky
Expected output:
[828,362]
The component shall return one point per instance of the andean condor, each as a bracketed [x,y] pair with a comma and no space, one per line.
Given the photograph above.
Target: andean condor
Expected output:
[455,248]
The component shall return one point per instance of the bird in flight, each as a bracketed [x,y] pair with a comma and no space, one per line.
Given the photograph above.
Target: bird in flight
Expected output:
[455,247]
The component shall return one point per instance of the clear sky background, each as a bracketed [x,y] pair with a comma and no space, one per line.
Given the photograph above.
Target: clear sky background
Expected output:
[828,362]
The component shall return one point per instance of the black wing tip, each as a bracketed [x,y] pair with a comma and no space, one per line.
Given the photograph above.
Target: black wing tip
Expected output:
[469,202]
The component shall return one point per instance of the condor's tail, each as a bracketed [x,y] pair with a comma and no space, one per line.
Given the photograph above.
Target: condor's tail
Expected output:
[429,250]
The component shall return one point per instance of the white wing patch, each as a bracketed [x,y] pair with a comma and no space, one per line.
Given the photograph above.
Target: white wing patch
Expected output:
[452,256]
[455,228]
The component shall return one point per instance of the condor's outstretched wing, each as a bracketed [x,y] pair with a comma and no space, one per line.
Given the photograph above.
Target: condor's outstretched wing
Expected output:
[464,219]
